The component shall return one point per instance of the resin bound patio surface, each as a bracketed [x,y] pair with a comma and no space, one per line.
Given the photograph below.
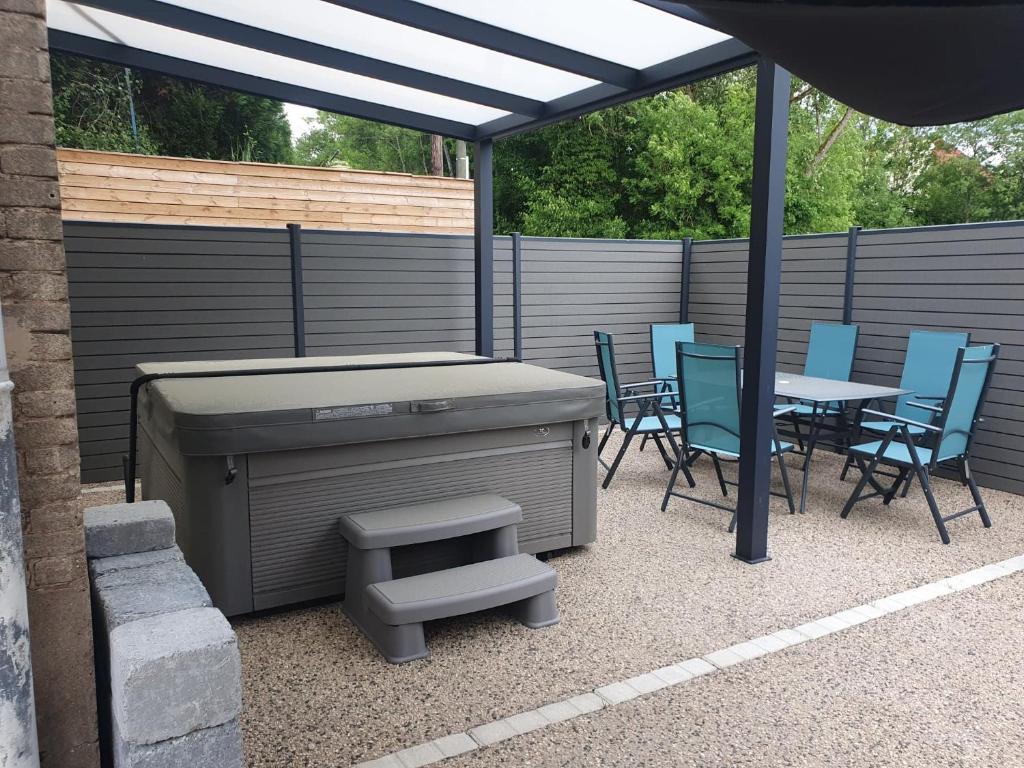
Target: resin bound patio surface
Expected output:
[659,588]
[655,589]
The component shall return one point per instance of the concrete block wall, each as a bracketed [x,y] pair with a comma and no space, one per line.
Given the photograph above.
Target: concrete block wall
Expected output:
[33,287]
[168,663]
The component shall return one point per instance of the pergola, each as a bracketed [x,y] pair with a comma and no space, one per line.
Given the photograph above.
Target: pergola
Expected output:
[480,71]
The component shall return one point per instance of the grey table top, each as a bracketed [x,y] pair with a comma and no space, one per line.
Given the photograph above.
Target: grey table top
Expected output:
[817,390]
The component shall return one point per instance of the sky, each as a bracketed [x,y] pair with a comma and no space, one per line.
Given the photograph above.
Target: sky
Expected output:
[297,118]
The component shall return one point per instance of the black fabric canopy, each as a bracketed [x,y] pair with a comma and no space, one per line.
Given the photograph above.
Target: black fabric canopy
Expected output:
[915,63]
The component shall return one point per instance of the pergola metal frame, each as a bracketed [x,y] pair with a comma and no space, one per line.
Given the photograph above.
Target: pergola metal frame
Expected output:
[615,84]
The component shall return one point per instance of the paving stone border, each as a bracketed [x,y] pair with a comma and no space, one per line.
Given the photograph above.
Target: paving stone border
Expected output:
[170,678]
[615,693]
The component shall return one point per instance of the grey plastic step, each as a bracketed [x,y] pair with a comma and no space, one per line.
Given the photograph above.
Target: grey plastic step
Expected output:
[430,521]
[455,591]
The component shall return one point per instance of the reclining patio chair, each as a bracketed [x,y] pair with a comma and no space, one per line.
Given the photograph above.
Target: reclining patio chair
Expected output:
[948,440]
[663,355]
[927,371]
[830,352]
[649,418]
[710,413]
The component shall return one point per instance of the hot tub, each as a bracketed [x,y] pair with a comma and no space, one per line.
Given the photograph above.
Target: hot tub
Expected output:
[258,469]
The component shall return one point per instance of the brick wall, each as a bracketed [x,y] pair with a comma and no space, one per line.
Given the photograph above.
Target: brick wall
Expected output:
[33,287]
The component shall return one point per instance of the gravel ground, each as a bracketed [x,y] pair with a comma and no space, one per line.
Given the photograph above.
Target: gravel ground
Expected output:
[935,685]
[656,588]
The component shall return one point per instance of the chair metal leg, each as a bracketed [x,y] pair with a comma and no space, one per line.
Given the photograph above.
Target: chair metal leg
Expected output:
[605,436]
[661,448]
[785,481]
[866,472]
[926,486]
[975,493]
[812,440]
[618,458]
[902,478]
[846,466]
[679,466]
[643,443]
[906,485]
[721,477]
[796,429]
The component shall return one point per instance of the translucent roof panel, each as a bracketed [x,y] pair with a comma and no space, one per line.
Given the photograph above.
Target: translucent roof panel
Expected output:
[348,30]
[466,68]
[112,27]
[623,31]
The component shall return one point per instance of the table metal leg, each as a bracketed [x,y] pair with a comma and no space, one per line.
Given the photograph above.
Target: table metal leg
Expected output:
[812,439]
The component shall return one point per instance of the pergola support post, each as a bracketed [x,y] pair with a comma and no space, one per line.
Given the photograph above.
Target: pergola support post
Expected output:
[764,271]
[483,245]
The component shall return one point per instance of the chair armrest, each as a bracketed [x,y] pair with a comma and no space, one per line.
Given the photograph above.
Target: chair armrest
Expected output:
[634,398]
[783,411]
[650,383]
[902,420]
[925,406]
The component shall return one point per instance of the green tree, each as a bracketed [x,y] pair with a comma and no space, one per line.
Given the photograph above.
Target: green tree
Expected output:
[349,141]
[955,188]
[175,117]
[92,108]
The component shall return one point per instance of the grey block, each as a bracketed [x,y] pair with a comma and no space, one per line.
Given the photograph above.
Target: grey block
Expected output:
[102,566]
[136,593]
[173,674]
[124,529]
[217,747]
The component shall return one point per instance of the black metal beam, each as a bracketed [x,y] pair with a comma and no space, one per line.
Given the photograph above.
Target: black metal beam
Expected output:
[298,298]
[479,33]
[691,67]
[228,31]
[764,270]
[82,45]
[851,268]
[684,280]
[517,295]
[483,245]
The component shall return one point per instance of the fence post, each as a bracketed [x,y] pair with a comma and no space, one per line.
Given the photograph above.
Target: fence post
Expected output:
[517,296]
[684,281]
[298,302]
[851,264]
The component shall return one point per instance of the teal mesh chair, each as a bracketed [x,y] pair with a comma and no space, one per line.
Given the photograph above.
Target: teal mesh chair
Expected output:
[710,413]
[664,337]
[949,433]
[634,411]
[830,352]
[927,371]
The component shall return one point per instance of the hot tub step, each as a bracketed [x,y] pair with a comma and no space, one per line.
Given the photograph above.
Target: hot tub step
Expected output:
[429,521]
[400,607]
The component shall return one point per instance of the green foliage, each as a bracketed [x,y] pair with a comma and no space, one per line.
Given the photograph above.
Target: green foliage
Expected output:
[348,141]
[672,165]
[91,105]
[175,117]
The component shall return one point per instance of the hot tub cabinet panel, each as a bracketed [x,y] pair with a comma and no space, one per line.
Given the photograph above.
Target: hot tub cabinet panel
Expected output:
[269,537]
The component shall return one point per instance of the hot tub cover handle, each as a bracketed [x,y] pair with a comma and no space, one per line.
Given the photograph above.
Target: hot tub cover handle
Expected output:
[431,406]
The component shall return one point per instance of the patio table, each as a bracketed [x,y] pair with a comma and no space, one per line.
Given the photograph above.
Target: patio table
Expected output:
[820,393]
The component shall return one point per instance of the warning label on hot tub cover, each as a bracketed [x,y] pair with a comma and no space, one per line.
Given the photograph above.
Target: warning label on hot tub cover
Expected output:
[351,411]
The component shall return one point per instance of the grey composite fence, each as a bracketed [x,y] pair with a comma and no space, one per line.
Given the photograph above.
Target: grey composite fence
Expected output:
[173,293]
